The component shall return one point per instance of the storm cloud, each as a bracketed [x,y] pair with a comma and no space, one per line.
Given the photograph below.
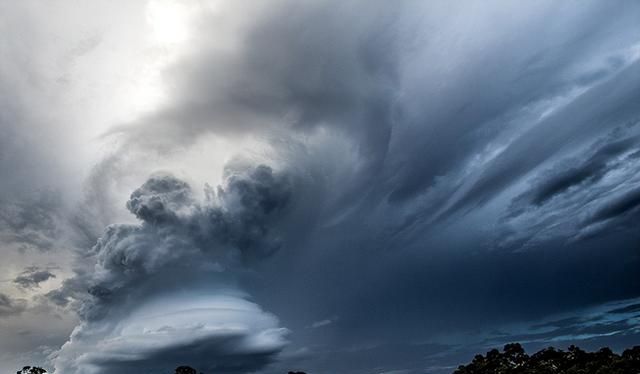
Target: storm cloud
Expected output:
[358,187]
[31,223]
[167,278]
[32,277]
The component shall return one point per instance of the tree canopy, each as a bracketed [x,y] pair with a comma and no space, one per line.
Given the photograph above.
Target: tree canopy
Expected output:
[514,360]
[31,370]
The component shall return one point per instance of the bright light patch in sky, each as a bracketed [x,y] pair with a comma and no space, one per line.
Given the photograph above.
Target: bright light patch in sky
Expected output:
[169,21]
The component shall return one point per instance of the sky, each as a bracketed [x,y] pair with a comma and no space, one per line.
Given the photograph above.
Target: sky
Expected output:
[336,187]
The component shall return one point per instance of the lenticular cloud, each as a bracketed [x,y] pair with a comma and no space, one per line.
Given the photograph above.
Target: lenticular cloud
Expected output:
[217,333]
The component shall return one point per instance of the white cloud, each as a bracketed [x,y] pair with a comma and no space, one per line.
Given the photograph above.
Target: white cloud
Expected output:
[208,332]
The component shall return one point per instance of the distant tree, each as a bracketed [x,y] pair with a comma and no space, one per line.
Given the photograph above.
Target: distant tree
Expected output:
[31,370]
[185,370]
[632,355]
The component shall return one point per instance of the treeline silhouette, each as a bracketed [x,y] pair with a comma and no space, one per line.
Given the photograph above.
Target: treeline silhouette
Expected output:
[514,360]
[31,370]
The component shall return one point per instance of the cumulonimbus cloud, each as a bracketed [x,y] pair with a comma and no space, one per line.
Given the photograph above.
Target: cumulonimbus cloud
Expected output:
[429,133]
[162,291]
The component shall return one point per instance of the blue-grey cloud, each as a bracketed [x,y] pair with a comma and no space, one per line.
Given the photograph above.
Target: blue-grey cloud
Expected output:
[436,170]
[626,309]
[32,277]
[180,246]
[32,222]
[454,170]
[10,306]
[224,333]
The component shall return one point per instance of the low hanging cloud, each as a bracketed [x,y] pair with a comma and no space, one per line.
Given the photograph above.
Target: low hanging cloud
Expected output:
[162,292]
[32,277]
[223,333]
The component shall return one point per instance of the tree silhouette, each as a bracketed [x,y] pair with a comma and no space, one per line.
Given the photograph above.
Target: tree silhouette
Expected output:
[185,370]
[31,370]
[514,360]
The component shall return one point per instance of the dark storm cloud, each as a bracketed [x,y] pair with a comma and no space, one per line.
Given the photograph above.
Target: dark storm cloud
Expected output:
[360,79]
[10,306]
[32,277]
[613,103]
[180,246]
[295,68]
[491,91]
[627,309]
[589,325]
[617,207]
[580,195]
[235,222]
[440,170]
[71,287]
[414,117]
[590,171]
[31,223]
[157,201]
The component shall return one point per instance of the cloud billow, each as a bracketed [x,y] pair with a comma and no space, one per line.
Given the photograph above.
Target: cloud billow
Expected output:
[32,277]
[182,247]
[436,170]
[443,151]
